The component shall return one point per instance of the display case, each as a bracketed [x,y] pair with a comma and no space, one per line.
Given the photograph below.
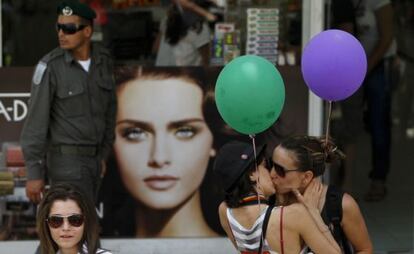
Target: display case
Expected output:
[129,29]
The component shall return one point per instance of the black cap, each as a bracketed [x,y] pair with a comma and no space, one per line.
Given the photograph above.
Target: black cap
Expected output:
[74,7]
[233,159]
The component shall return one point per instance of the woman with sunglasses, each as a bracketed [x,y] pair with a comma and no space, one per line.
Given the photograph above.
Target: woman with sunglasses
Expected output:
[246,217]
[67,222]
[300,159]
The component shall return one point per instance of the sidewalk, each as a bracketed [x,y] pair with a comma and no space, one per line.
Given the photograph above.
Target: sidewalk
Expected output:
[391,221]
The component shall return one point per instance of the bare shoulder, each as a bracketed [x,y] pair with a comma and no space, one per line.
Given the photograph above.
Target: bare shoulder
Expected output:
[350,209]
[295,209]
[222,207]
[349,204]
[292,212]
[295,218]
[222,210]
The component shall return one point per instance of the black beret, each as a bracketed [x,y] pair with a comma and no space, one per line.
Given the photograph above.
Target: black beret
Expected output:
[232,160]
[74,7]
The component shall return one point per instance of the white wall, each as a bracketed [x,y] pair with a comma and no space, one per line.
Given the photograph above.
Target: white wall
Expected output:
[144,246]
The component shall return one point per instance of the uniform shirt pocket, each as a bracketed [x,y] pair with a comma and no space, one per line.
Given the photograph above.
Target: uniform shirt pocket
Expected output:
[71,100]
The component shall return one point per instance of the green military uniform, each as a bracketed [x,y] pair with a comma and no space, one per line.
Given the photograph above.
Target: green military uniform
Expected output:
[70,125]
[71,118]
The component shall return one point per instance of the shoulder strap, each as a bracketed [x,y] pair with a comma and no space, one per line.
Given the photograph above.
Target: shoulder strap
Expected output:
[264,227]
[53,54]
[334,210]
[334,204]
[334,213]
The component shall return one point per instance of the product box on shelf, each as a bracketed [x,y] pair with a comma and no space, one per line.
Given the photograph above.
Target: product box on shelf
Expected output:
[263,32]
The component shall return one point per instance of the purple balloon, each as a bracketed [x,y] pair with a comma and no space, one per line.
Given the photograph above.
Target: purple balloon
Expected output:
[334,65]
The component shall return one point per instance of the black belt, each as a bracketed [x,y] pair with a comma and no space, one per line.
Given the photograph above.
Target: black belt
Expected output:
[83,150]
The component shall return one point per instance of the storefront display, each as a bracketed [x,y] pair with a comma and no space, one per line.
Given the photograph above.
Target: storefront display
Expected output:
[263,33]
[129,29]
[115,202]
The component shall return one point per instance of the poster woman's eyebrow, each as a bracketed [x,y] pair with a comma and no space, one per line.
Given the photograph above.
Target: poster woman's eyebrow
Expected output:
[141,124]
[180,123]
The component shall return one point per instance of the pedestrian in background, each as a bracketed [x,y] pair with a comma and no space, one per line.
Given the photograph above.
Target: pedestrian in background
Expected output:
[184,37]
[374,29]
[70,124]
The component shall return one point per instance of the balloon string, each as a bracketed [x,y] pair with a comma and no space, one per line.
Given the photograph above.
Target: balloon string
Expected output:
[252,136]
[255,164]
[328,124]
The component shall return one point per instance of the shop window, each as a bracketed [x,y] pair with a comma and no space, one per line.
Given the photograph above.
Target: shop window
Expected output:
[128,34]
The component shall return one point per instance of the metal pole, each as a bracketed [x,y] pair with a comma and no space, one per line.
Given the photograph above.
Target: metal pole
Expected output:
[312,24]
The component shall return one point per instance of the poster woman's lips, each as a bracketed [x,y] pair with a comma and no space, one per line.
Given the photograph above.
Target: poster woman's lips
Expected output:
[161,183]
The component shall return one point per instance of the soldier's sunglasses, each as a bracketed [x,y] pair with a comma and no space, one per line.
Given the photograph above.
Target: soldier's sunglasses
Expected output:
[56,221]
[281,171]
[69,28]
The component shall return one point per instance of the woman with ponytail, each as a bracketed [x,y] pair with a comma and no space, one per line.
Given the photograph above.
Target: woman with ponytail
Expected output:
[297,162]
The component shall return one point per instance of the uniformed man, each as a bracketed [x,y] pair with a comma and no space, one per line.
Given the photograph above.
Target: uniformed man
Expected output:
[69,129]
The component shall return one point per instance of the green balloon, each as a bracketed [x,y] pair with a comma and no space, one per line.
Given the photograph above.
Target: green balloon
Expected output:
[250,94]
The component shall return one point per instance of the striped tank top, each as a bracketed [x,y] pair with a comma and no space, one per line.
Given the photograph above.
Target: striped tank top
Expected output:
[248,239]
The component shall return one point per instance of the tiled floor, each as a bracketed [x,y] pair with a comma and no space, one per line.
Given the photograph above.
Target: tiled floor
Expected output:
[391,221]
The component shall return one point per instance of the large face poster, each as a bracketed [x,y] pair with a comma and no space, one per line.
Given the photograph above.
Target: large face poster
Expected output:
[159,180]
[167,133]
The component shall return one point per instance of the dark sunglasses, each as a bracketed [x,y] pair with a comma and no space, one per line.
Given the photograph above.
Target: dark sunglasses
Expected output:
[69,28]
[56,221]
[280,171]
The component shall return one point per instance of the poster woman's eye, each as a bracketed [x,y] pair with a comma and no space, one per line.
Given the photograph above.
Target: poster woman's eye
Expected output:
[185,132]
[134,134]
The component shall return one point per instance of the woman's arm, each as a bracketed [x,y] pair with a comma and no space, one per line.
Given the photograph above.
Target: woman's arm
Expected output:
[384,18]
[313,230]
[311,200]
[354,226]
[188,4]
